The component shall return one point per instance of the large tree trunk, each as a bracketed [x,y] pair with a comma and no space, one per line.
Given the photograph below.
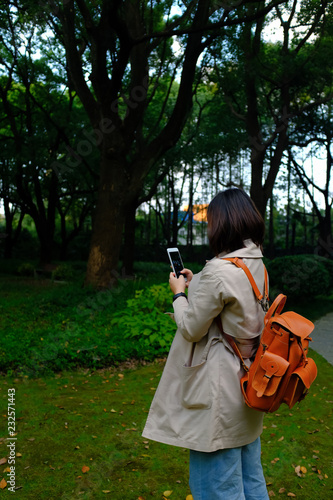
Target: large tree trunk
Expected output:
[129,238]
[108,223]
[325,246]
[45,235]
[102,268]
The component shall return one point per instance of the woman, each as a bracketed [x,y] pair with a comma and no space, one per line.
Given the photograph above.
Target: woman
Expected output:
[198,404]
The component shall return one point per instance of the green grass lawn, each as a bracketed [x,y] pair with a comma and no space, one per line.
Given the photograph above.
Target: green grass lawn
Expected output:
[69,422]
[78,431]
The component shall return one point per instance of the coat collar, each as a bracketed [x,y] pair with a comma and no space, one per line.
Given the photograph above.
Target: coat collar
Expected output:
[251,251]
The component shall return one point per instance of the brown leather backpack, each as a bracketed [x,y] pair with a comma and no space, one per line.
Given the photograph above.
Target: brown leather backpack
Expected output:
[281,371]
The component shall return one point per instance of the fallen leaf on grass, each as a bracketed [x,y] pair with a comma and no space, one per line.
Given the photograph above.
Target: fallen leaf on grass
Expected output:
[300,470]
[85,469]
[3,483]
[291,494]
[189,497]
[3,460]
[167,493]
[106,491]
[282,490]
[271,493]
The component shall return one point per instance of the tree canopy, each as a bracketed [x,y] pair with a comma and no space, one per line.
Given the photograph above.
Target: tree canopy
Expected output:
[122,92]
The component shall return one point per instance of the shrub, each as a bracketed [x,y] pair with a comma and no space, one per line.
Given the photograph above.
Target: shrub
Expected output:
[25,269]
[63,272]
[328,264]
[144,321]
[298,276]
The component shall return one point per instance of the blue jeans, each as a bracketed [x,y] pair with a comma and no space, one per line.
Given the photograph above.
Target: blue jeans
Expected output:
[230,474]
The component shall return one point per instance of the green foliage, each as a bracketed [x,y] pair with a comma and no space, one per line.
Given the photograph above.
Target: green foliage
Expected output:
[48,327]
[328,263]
[25,269]
[299,276]
[145,321]
[63,272]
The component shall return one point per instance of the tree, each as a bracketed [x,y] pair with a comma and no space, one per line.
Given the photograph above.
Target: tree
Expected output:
[7,194]
[112,50]
[316,130]
[268,85]
[37,118]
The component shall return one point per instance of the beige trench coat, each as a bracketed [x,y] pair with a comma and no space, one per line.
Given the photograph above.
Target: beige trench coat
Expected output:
[198,403]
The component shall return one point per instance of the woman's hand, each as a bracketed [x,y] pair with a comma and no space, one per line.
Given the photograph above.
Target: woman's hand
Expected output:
[178,285]
[189,275]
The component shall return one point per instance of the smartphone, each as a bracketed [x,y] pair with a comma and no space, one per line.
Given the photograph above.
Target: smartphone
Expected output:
[176,261]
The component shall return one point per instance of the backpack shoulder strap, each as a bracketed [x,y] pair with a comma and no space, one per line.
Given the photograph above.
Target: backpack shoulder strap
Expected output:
[232,343]
[263,299]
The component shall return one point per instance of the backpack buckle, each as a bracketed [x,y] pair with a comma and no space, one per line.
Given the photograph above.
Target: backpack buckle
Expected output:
[264,304]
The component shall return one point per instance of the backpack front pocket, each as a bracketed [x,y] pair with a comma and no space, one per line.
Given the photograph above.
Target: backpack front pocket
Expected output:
[300,382]
[269,373]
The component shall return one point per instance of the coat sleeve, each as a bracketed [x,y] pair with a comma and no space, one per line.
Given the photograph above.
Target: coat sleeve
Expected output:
[194,318]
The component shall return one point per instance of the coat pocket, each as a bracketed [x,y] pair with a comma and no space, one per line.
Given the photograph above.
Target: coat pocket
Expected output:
[196,387]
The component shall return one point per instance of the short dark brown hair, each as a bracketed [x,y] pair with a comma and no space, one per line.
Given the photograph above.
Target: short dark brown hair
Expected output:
[232,218]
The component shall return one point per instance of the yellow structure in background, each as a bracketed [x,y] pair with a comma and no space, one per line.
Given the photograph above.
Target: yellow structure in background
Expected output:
[199,212]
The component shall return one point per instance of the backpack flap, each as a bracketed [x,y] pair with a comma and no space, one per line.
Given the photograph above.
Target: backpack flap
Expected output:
[268,374]
[295,323]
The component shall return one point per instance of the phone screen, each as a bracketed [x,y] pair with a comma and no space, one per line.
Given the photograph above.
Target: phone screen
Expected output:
[177,262]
